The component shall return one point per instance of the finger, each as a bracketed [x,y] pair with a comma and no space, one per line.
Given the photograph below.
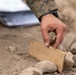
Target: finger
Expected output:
[59,39]
[45,37]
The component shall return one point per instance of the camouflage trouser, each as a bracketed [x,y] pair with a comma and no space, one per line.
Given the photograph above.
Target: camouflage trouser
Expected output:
[41,7]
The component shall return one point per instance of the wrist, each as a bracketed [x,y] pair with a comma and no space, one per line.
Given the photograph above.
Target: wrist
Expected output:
[47,16]
[53,13]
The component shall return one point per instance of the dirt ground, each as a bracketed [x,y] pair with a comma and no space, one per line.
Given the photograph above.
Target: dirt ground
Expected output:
[14,42]
[12,63]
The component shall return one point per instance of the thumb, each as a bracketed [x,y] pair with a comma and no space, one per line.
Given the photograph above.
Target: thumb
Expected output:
[45,37]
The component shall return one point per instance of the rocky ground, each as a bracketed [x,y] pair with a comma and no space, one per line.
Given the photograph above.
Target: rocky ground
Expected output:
[14,42]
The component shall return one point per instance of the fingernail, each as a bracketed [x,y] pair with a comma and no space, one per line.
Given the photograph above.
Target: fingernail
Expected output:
[46,44]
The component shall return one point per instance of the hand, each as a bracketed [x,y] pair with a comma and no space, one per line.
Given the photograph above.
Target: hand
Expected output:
[50,23]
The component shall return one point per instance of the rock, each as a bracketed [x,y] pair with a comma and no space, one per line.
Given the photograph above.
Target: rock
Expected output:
[74,57]
[73,48]
[75,73]
[56,73]
[46,66]
[67,41]
[69,62]
[12,49]
[31,71]
[62,48]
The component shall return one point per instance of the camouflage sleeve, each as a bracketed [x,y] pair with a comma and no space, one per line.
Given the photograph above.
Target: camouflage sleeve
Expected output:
[41,7]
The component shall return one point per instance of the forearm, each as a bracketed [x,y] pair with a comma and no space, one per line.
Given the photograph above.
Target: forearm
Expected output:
[42,7]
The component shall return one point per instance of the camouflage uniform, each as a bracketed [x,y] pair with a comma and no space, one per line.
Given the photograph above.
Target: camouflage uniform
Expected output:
[42,7]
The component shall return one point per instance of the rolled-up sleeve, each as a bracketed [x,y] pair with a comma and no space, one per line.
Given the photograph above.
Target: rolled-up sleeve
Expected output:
[41,7]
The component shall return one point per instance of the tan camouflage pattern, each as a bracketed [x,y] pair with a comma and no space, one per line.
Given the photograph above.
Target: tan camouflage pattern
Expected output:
[41,7]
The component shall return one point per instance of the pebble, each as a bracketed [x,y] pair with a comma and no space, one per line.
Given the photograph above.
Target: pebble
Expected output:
[69,62]
[73,48]
[12,49]
[74,57]
[31,71]
[46,66]
[67,41]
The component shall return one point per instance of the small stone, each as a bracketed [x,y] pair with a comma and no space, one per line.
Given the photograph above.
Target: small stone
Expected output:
[12,49]
[61,47]
[75,73]
[56,73]
[73,48]
[67,41]
[74,57]
[46,66]
[31,71]
[69,62]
